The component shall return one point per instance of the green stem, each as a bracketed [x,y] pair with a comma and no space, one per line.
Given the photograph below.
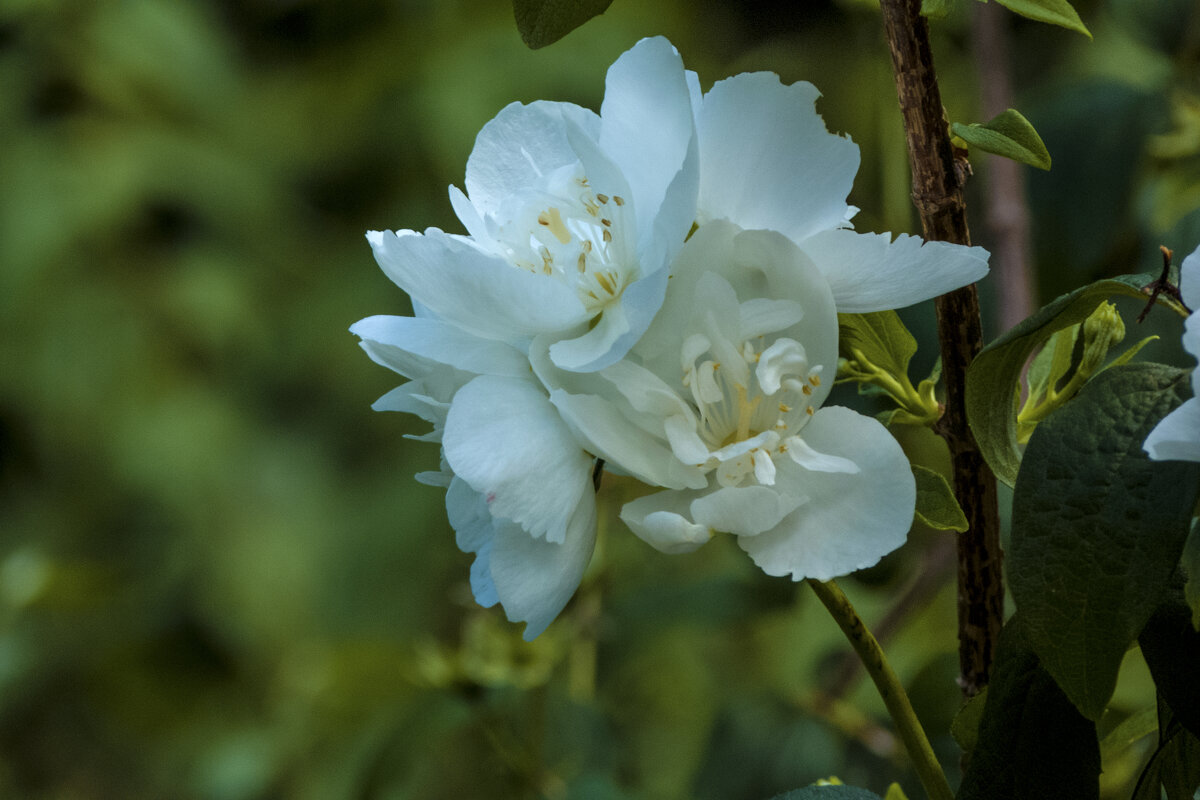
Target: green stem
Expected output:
[898,706]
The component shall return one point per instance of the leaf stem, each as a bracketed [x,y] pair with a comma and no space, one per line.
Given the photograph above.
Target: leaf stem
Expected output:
[890,689]
[937,193]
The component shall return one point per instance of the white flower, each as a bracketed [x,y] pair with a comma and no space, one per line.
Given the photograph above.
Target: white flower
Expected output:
[767,161]
[720,404]
[518,484]
[573,218]
[1177,436]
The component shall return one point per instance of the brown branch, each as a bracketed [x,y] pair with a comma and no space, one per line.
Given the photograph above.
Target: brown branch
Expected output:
[937,193]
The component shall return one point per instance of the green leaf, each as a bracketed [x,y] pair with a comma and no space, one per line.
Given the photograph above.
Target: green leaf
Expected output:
[1175,765]
[1055,12]
[936,9]
[965,727]
[881,338]
[1033,743]
[936,506]
[1007,134]
[543,22]
[1098,528]
[829,792]
[1171,647]
[1132,729]
[994,377]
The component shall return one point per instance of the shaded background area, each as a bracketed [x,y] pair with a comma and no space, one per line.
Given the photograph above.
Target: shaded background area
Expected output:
[217,576]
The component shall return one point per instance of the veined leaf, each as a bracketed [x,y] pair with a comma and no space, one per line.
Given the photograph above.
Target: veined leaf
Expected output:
[543,22]
[1098,528]
[1055,12]
[880,336]
[936,506]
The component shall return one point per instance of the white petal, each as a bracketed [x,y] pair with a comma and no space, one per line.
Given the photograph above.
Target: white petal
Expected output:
[612,436]
[474,530]
[534,578]
[507,441]
[531,578]
[1189,281]
[745,511]
[767,161]
[1177,436]
[850,520]
[870,272]
[481,293]
[408,345]
[519,146]
[808,458]
[646,122]
[661,521]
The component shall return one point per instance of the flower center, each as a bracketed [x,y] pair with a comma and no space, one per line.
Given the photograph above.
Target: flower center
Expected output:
[577,235]
[751,402]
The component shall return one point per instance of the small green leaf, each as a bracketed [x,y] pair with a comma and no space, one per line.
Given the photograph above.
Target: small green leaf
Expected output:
[1098,528]
[543,22]
[1008,134]
[880,336]
[1032,742]
[894,792]
[994,377]
[936,9]
[1055,12]
[1132,729]
[965,727]
[828,792]
[936,506]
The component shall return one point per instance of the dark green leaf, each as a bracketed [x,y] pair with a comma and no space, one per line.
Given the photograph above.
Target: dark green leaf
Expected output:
[1055,12]
[965,728]
[994,377]
[543,22]
[1098,528]
[936,506]
[1008,134]
[1175,765]
[1171,647]
[828,793]
[1033,743]
[936,9]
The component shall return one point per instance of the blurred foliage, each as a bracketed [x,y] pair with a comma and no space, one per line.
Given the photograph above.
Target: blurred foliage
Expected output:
[217,576]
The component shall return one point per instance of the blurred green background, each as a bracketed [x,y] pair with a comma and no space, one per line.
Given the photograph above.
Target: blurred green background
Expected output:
[218,578]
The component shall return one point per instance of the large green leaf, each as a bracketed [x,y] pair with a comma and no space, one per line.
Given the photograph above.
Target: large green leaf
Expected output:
[543,22]
[1098,528]
[1032,742]
[994,377]
[1055,12]
[1007,134]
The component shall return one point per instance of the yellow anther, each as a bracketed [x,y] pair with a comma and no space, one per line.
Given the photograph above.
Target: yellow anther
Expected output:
[815,380]
[619,200]
[784,408]
[552,219]
[806,389]
[607,236]
[603,198]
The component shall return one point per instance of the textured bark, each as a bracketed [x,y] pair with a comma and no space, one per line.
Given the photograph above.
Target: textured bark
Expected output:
[937,177]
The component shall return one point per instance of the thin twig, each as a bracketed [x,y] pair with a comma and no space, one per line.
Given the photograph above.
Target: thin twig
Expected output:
[937,193]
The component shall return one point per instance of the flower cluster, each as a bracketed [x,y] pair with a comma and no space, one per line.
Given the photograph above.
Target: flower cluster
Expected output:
[1177,436]
[656,286]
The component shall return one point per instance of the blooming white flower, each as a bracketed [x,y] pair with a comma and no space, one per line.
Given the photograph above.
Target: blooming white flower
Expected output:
[518,484]
[720,403]
[1177,436]
[573,218]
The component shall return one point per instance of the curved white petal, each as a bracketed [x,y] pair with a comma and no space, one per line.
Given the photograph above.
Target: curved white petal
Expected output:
[520,145]
[610,435]
[534,578]
[531,578]
[1189,281]
[870,272]
[661,520]
[767,161]
[646,122]
[850,520]
[476,291]
[507,441]
[746,510]
[412,345]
